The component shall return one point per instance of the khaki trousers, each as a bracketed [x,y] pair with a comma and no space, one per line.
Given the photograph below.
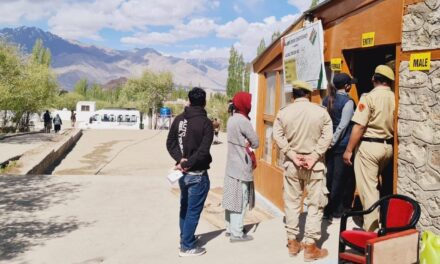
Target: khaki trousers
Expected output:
[295,182]
[371,158]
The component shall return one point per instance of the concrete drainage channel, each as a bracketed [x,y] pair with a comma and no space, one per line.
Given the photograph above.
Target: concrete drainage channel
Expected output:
[44,160]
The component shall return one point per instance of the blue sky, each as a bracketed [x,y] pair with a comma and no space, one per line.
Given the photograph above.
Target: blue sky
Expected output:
[184,28]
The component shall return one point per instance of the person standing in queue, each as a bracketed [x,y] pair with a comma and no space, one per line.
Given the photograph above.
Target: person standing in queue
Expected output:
[189,143]
[238,185]
[303,132]
[373,135]
[340,176]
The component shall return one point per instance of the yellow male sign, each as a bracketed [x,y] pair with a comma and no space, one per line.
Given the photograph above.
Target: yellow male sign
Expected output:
[420,61]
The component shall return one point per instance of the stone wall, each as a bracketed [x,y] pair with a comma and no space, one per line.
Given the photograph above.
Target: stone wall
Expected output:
[421,26]
[419,141]
[419,115]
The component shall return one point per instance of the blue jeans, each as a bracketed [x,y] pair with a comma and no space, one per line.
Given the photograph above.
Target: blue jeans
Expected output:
[193,192]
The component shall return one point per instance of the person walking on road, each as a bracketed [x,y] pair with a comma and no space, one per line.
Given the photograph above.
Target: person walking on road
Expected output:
[238,184]
[73,118]
[303,133]
[189,142]
[57,122]
[47,121]
[373,136]
[216,125]
[340,176]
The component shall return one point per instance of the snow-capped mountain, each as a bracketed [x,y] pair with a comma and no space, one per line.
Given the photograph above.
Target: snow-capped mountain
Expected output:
[73,61]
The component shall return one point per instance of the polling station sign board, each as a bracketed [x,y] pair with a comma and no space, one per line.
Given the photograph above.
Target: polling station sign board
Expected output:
[303,57]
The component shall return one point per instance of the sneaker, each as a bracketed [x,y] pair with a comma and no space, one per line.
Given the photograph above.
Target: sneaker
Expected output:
[198,251]
[243,238]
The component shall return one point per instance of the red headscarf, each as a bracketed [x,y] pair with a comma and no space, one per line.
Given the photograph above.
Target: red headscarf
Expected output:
[242,103]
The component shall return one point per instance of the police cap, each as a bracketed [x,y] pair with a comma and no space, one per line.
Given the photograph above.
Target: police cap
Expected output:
[385,71]
[302,85]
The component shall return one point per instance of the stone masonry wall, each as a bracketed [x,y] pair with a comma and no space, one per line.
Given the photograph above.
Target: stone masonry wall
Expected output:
[419,141]
[419,115]
[421,26]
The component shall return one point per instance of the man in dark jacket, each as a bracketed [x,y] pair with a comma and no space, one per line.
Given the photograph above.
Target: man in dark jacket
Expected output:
[189,142]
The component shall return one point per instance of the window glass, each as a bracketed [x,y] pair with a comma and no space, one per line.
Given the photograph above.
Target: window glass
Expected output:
[270,93]
[85,108]
[133,118]
[286,95]
[267,155]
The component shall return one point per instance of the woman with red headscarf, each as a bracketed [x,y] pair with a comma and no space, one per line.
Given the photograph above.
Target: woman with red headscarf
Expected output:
[238,186]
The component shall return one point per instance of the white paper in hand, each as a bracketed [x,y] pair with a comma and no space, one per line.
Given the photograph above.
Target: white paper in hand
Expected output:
[174,176]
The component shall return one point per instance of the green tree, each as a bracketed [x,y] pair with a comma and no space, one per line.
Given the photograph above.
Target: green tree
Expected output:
[81,87]
[40,54]
[232,82]
[261,47]
[27,85]
[149,91]
[95,92]
[247,76]
[314,3]
[276,35]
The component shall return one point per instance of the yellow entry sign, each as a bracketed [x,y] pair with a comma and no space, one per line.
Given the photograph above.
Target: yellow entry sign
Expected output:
[368,39]
[420,61]
[336,64]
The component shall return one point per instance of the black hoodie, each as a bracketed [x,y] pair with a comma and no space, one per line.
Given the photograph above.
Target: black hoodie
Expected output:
[190,137]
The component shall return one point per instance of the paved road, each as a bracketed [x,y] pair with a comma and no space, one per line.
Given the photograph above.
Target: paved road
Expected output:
[140,152]
[15,146]
[125,214]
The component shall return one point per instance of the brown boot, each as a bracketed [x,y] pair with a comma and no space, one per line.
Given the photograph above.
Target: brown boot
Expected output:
[294,247]
[312,252]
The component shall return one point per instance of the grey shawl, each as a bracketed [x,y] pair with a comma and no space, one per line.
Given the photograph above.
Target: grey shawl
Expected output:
[238,163]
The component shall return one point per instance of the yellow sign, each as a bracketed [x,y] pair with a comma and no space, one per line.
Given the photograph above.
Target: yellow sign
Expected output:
[420,61]
[368,39]
[290,71]
[336,64]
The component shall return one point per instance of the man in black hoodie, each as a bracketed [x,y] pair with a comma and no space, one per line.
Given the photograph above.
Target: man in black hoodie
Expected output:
[189,142]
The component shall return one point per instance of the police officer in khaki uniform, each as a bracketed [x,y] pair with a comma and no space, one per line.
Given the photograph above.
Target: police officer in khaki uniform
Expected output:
[373,132]
[303,132]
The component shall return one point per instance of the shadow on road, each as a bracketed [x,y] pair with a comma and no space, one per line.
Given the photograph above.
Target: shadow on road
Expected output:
[21,199]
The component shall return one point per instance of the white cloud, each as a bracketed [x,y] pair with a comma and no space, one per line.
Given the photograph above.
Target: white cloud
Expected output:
[86,18]
[196,28]
[12,12]
[249,35]
[212,52]
[233,29]
[302,5]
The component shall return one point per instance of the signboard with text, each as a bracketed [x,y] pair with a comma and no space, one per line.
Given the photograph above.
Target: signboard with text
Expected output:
[336,64]
[303,57]
[368,39]
[420,61]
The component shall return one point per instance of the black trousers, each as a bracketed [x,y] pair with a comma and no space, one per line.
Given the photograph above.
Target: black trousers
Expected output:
[341,184]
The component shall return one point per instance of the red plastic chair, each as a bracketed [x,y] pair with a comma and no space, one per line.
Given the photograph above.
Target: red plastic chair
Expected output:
[397,213]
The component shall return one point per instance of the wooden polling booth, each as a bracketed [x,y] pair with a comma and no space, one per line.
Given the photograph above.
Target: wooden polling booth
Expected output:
[358,35]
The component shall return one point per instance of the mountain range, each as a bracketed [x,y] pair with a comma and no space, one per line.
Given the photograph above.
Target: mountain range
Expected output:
[73,61]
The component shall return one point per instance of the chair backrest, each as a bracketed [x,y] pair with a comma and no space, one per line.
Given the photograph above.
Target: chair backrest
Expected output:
[399,211]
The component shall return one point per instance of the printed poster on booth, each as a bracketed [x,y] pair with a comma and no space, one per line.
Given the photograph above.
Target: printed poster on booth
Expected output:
[303,57]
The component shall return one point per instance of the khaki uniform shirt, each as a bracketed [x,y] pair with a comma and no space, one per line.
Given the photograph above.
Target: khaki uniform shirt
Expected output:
[304,128]
[375,111]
